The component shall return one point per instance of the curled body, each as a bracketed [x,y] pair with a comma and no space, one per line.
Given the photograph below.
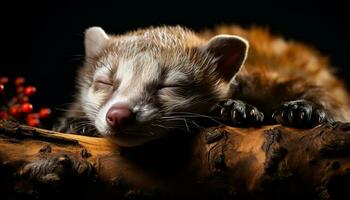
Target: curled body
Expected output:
[142,85]
[277,72]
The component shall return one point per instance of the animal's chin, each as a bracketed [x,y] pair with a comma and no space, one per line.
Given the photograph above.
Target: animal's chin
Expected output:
[136,136]
[125,139]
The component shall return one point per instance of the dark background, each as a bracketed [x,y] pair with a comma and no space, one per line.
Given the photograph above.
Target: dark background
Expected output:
[44,41]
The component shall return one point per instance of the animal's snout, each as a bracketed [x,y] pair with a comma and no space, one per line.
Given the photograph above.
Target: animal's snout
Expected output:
[119,115]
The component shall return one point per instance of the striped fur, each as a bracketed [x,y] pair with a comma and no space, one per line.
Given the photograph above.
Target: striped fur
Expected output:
[137,64]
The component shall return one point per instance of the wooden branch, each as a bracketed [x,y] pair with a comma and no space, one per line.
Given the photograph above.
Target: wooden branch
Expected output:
[223,162]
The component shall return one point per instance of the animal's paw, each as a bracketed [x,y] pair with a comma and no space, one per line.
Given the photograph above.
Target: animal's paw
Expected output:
[239,113]
[75,125]
[301,113]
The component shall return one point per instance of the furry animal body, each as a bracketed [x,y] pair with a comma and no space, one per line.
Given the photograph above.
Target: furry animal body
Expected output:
[140,86]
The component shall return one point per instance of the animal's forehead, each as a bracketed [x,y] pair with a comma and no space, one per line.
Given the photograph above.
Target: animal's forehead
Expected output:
[141,66]
[143,53]
[151,39]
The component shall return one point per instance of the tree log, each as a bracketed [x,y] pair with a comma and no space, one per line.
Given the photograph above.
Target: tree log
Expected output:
[222,162]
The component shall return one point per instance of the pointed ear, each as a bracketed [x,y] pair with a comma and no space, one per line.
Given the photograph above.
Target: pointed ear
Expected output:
[230,53]
[95,39]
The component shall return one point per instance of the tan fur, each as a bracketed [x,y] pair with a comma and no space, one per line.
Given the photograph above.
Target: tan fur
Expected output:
[138,62]
[277,70]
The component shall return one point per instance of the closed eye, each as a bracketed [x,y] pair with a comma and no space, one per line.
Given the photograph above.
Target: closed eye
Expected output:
[171,86]
[102,84]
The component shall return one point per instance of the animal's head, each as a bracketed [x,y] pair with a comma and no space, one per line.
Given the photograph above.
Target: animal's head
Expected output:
[137,86]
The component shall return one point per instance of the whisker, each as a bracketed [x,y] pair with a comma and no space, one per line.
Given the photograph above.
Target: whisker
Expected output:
[62,109]
[194,115]
[188,130]
[197,125]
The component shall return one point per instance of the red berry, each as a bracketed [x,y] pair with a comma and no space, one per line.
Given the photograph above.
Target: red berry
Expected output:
[4,80]
[27,107]
[19,81]
[33,119]
[33,122]
[33,116]
[30,90]
[20,89]
[4,115]
[44,112]
[2,88]
[16,111]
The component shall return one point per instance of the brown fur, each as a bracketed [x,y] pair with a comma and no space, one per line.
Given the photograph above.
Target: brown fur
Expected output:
[277,71]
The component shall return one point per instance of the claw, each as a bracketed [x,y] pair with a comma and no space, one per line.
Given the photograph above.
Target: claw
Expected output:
[253,112]
[290,116]
[233,114]
[302,115]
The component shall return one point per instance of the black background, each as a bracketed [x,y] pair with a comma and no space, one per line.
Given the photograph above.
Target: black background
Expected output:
[44,41]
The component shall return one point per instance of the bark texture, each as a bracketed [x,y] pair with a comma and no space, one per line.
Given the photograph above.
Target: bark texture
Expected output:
[271,162]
